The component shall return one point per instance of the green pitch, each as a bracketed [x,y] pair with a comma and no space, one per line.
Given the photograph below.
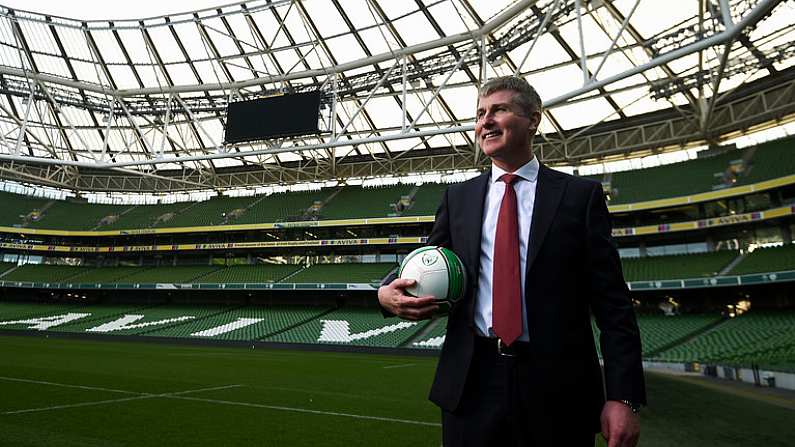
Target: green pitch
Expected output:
[58,392]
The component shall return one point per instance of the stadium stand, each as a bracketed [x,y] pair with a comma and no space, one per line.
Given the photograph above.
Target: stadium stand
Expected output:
[158,318]
[772,159]
[356,202]
[662,331]
[279,207]
[170,274]
[434,338]
[10,310]
[261,273]
[260,322]
[766,161]
[145,216]
[754,337]
[216,211]
[655,183]
[342,273]
[771,259]
[97,314]
[17,208]
[733,168]
[359,327]
[426,200]
[104,274]
[44,273]
[65,215]
[650,268]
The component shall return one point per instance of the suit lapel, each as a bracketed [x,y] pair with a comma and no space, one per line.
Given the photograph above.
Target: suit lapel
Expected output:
[475,199]
[473,218]
[548,194]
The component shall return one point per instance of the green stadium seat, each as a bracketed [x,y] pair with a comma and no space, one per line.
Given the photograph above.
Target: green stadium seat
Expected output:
[18,208]
[261,273]
[342,273]
[660,331]
[170,274]
[770,160]
[649,268]
[254,322]
[762,260]
[64,215]
[145,216]
[44,273]
[359,327]
[281,207]
[753,337]
[764,162]
[10,310]
[434,338]
[353,202]
[427,200]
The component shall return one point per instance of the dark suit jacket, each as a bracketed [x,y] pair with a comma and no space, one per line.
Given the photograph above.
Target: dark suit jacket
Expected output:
[573,270]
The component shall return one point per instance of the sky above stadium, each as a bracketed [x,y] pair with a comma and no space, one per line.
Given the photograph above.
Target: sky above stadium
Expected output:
[101,9]
[554,67]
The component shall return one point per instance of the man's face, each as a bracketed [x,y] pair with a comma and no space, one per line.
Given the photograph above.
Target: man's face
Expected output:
[502,130]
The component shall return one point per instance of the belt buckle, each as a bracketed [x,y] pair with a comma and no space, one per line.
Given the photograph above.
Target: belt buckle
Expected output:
[500,346]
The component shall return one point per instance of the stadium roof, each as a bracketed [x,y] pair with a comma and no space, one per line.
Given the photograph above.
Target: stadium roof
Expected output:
[139,105]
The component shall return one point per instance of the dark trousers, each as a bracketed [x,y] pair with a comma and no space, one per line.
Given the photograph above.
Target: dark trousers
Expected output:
[498,405]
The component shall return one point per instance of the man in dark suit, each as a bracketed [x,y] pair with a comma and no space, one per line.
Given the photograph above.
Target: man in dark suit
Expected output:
[519,361]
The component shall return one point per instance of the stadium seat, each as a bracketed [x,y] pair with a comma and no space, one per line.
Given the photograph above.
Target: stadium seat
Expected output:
[649,268]
[753,337]
[761,260]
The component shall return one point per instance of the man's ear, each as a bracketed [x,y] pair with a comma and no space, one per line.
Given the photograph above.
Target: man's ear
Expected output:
[535,121]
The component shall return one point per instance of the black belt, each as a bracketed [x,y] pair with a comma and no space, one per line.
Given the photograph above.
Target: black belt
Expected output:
[495,346]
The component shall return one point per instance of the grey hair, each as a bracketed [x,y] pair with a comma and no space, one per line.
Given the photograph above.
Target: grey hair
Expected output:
[526,96]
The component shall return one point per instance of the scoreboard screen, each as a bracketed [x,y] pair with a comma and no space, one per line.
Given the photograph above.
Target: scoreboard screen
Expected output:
[275,116]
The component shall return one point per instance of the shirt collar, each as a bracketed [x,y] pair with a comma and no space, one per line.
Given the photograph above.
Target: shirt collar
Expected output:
[528,171]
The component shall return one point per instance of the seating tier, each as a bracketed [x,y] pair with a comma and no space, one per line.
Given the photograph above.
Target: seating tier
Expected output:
[733,168]
[342,273]
[44,273]
[361,327]
[754,337]
[261,273]
[659,331]
[649,268]
[247,323]
[771,259]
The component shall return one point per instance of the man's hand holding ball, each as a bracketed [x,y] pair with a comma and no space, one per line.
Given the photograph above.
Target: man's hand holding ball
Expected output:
[394,299]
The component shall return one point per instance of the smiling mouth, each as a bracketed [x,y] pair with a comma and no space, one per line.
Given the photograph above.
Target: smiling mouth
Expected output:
[491,134]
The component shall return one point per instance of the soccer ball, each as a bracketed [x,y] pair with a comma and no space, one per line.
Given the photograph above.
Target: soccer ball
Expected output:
[438,272]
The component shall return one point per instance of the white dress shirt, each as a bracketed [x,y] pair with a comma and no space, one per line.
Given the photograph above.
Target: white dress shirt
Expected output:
[525,188]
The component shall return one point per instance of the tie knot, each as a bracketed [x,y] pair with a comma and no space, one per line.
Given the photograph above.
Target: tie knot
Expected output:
[509,179]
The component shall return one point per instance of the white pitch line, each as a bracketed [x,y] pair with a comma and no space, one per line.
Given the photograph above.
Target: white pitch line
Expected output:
[66,385]
[306,410]
[179,395]
[405,365]
[199,390]
[139,396]
[317,392]
[82,404]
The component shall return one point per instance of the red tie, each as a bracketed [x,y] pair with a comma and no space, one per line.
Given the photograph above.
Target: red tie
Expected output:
[506,289]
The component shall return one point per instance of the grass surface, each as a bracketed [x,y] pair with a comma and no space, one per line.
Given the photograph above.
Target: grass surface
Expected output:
[60,392]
